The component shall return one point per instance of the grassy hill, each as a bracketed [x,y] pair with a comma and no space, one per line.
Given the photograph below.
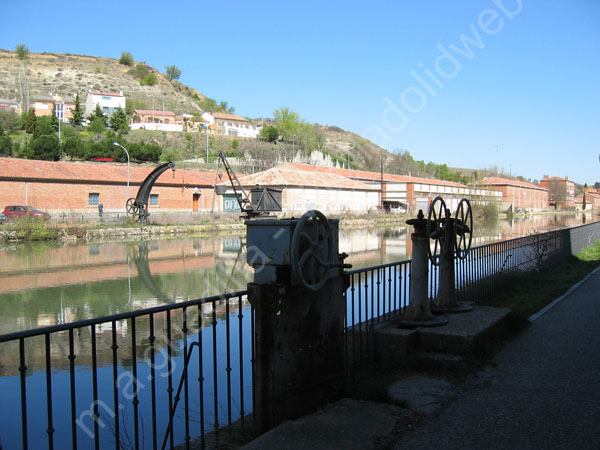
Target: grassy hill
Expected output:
[68,74]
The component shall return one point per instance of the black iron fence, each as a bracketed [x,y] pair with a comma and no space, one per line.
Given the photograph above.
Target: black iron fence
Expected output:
[127,380]
[166,375]
[380,293]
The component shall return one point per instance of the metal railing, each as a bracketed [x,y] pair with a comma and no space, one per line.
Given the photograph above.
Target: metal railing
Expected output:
[128,380]
[109,382]
[377,294]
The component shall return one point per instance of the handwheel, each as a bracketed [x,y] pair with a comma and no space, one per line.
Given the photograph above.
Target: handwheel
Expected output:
[312,252]
[436,226]
[131,207]
[464,228]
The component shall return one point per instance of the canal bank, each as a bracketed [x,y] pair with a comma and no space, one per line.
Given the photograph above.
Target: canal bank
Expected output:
[40,231]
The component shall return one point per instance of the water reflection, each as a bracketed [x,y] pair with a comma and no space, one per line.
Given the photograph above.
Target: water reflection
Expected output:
[51,283]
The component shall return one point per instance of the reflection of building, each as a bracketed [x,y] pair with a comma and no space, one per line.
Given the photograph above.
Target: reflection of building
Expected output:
[518,195]
[561,191]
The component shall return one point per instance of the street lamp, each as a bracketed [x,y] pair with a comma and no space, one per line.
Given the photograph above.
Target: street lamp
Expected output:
[383,158]
[127,153]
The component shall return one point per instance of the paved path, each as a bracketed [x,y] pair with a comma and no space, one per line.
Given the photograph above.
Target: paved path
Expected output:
[544,392]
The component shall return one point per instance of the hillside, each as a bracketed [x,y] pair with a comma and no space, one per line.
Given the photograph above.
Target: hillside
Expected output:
[67,74]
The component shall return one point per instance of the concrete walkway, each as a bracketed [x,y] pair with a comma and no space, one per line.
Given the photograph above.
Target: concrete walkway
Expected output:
[541,392]
[544,392]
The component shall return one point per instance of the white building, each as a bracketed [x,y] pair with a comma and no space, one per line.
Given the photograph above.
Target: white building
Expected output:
[232,125]
[302,191]
[108,101]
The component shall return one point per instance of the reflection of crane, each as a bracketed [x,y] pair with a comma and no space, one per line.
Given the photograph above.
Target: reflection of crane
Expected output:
[138,207]
[224,284]
[141,263]
[263,200]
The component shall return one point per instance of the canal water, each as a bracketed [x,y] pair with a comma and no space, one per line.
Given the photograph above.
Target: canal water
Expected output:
[54,283]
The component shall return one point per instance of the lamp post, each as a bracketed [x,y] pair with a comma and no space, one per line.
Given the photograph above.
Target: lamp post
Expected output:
[383,158]
[127,153]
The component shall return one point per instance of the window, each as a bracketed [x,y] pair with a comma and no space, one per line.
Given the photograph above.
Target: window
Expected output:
[153,199]
[104,97]
[105,110]
[94,199]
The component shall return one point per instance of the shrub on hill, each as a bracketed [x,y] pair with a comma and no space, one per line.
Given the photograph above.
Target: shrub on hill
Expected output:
[126,59]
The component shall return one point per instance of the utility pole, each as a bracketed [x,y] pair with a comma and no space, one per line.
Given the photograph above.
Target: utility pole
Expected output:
[497,147]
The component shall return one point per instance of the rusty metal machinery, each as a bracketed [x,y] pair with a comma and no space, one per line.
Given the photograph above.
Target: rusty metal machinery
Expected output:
[418,312]
[263,200]
[137,207]
[452,238]
[312,250]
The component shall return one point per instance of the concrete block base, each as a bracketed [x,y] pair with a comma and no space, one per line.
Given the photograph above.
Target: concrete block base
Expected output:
[459,336]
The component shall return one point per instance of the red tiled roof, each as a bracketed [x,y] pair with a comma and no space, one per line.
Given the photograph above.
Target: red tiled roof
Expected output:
[375,176]
[228,117]
[149,112]
[14,168]
[497,181]
[556,179]
[283,177]
[111,94]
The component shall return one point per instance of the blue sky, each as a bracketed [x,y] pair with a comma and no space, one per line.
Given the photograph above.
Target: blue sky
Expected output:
[447,81]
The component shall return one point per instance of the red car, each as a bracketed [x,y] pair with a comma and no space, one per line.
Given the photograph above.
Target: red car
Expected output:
[17,211]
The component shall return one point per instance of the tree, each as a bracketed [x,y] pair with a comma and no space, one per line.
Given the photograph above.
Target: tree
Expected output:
[54,118]
[148,80]
[77,112]
[46,147]
[288,122]
[30,121]
[97,125]
[584,202]
[22,51]
[173,73]
[126,59]
[6,146]
[44,126]
[131,104]
[73,147]
[98,114]
[269,133]
[9,121]
[557,191]
[119,122]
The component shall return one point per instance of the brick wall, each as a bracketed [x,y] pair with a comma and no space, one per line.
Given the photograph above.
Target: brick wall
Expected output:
[53,196]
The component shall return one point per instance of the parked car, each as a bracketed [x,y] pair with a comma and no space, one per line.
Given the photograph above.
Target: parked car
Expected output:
[3,218]
[20,212]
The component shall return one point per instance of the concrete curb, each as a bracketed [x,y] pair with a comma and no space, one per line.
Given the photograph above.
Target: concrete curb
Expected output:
[556,301]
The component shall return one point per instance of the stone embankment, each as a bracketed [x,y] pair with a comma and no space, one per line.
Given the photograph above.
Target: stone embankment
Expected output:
[92,232]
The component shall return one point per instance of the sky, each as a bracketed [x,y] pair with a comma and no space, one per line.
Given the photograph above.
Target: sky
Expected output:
[474,84]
